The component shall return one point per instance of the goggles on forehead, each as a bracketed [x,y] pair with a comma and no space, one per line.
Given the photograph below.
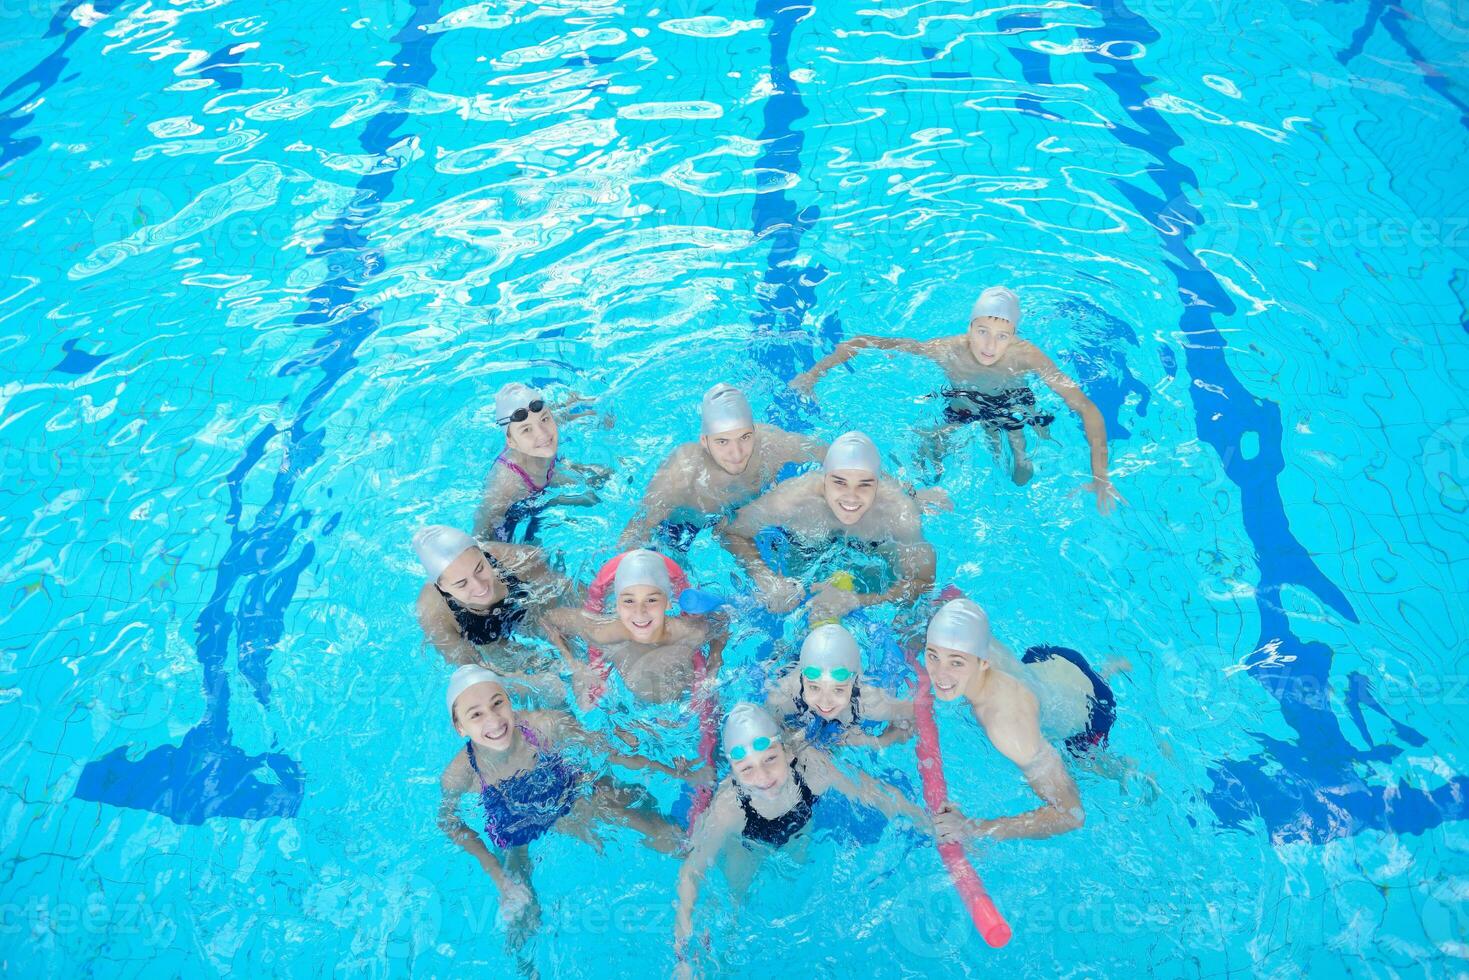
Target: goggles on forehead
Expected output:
[839,674]
[738,752]
[521,414]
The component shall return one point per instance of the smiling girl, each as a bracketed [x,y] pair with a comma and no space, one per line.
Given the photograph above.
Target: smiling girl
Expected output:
[824,698]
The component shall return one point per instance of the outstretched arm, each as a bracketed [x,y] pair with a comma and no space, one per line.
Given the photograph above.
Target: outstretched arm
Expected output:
[564,726]
[779,594]
[848,349]
[1049,779]
[722,820]
[660,498]
[1091,421]
[466,838]
[889,799]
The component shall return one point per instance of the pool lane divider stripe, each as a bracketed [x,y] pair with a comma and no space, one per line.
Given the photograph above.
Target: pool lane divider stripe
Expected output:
[781,345]
[207,775]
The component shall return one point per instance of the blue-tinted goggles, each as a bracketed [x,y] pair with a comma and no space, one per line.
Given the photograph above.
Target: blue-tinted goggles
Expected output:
[839,674]
[738,752]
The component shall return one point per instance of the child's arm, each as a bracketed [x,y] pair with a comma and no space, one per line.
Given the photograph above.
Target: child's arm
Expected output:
[665,491]
[1048,777]
[780,594]
[513,895]
[721,821]
[558,622]
[889,799]
[717,636]
[848,349]
[564,726]
[878,705]
[1058,381]
[528,563]
[442,631]
[501,490]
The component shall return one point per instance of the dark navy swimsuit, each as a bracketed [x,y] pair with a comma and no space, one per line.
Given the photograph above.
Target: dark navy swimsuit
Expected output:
[524,806]
[777,830]
[1009,408]
[1101,703]
[501,619]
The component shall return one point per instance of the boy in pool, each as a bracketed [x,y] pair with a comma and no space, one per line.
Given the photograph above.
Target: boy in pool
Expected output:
[652,651]
[988,369]
[527,467]
[734,459]
[765,803]
[848,503]
[1012,700]
[481,600]
[513,762]
[823,698]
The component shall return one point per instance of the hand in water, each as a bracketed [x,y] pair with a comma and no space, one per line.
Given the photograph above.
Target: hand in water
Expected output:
[951,826]
[780,594]
[803,383]
[693,771]
[515,900]
[1107,496]
[831,602]
[934,500]
[586,684]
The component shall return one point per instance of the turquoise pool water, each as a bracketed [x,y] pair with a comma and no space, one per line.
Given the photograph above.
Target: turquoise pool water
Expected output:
[267,263]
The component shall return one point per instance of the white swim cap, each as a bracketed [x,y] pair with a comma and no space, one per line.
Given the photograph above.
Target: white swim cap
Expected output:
[438,545]
[642,567]
[466,677]
[831,646]
[961,625]
[853,451]
[999,302]
[747,722]
[511,397]
[725,409]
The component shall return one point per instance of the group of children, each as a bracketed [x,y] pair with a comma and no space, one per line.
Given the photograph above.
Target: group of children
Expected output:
[810,523]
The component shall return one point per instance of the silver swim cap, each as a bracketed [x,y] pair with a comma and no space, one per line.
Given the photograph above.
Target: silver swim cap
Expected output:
[747,722]
[852,451]
[999,302]
[961,625]
[725,409]
[438,545]
[466,677]
[512,397]
[642,567]
[831,646]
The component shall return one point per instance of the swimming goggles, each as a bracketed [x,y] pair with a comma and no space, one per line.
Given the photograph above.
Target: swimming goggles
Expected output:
[839,674]
[738,752]
[521,414]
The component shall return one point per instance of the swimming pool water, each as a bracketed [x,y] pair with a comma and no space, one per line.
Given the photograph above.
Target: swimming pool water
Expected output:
[266,264]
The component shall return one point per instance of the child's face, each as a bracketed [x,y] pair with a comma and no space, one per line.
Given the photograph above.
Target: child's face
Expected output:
[643,611]
[469,579]
[536,436]
[763,773]
[482,714]
[731,450]
[849,494]
[825,696]
[951,671]
[989,338]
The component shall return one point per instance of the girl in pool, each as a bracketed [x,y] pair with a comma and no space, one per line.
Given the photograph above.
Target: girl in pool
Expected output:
[513,761]
[481,601]
[521,474]
[824,699]
[766,803]
[652,651]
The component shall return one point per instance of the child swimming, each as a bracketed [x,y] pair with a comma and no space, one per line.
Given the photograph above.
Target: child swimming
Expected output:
[514,492]
[1012,701]
[513,761]
[824,700]
[849,503]
[652,651]
[765,803]
[988,369]
[733,460]
[481,601]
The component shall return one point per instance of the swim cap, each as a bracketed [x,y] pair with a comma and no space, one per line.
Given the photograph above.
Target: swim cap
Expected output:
[747,722]
[961,625]
[511,397]
[466,677]
[725,409]
[438,545]
[831,646]
[999,302]
[853,451]
[642,567]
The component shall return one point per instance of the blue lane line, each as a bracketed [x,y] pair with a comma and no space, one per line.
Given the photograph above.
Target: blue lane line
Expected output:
[40,79]
[1309,789]
[207,775]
